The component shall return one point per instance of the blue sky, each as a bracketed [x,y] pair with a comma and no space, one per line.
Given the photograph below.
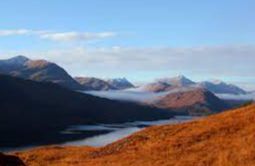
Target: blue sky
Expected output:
[116,38]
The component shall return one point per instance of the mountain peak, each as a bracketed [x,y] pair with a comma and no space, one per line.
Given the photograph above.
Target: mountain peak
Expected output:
[215,81]
[120,83]
[20,59]
[181,77]
[179,80]
[123,79]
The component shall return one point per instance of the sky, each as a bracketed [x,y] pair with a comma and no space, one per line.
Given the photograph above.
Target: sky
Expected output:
[140,40]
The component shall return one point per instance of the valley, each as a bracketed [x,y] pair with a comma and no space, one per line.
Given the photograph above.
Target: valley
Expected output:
[89,113]
[127,83]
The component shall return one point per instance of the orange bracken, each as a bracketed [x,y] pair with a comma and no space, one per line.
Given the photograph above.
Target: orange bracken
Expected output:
[225,139]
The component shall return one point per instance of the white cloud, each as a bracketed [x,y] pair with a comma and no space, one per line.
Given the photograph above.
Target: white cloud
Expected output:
[14,32]
[59,36]
[76,36]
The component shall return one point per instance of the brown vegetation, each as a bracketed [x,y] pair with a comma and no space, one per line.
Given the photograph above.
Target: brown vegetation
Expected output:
[226,139]
[195,101]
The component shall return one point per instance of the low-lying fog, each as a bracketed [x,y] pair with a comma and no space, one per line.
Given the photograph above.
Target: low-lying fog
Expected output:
[125,95]
[249,96]
[142,96]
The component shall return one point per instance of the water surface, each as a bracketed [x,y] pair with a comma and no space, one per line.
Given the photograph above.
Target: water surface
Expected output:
[118,131]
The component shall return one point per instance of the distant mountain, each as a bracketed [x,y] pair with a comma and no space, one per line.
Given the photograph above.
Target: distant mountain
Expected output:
[222,87]
[195,101]
[120,83]
[179,81]
[94,83]
[18,60]
[38,70]
[157,87]
[167,84]
[36,112]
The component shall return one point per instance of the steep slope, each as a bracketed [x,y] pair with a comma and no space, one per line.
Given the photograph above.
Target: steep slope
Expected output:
[226,139]
[222,88]
[38,70]
[33,112]
[94,83]
[120,83]
[195,101]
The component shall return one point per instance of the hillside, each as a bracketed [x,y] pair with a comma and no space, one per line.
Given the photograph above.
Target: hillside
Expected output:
[38,70]
[225,139]
[195,101]
[222,87]
[35,112]
[9,160]
[94,83]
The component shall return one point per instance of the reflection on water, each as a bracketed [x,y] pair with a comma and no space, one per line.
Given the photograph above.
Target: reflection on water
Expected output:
[118,131]
[114,132]
[105,139]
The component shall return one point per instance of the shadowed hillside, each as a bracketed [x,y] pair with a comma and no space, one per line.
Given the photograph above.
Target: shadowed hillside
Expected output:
[226,139]
[9,160]
[33,112]
[94,83]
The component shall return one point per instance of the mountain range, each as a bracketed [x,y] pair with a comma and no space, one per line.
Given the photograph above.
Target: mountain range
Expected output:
[168,84]
[200,96]
[42,70]
[220,87]
[45,71]
[98,84]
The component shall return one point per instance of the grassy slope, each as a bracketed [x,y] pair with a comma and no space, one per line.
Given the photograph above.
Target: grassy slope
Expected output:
[226,139]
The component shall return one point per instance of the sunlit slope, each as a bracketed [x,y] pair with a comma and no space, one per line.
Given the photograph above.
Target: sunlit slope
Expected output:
[226,139]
